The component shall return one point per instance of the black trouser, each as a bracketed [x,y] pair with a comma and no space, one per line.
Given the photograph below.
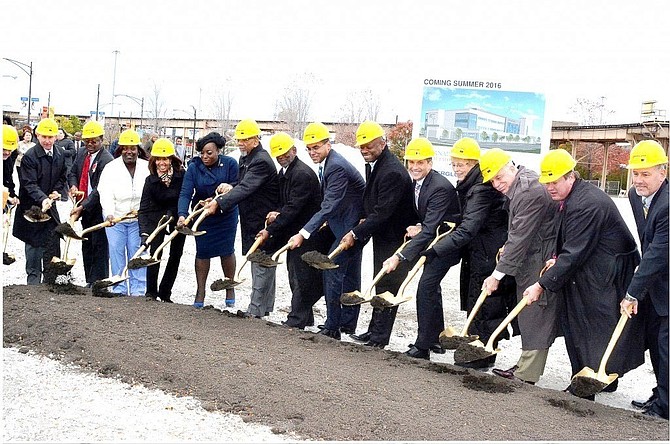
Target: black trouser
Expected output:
[381,323]
[429,311]
[171,268]
[94,250]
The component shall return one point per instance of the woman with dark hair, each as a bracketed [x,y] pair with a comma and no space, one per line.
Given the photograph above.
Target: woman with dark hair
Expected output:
[120,190]
[204,176]
[159,198]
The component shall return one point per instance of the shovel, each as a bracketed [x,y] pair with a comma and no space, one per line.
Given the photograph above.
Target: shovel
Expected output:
[35,213]
[7,258]
[193,231]
[98,286]
[387,299]
[450,339]
[146,261]
[320,260]
[275,257]
[476,350]
[67,228]
[587,382]
[355,297]
[107,223]
[225,284]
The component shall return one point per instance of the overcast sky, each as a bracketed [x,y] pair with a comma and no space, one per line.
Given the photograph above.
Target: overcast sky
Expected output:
[565,49]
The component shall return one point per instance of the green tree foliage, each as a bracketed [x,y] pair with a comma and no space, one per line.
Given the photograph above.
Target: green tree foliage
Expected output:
[398,138]
[70,124]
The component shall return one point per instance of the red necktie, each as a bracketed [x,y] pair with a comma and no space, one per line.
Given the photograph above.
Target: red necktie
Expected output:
[83,181]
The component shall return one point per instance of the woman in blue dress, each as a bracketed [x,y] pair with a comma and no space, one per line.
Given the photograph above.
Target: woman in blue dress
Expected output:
[203,176]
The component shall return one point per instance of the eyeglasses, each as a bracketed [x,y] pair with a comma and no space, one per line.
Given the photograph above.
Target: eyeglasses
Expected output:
[315,148]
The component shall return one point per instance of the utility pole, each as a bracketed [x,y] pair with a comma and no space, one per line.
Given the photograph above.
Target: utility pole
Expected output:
[116,54]
[97,104]
[28,71]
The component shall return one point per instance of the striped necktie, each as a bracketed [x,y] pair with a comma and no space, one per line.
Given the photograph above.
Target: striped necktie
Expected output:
[645,206]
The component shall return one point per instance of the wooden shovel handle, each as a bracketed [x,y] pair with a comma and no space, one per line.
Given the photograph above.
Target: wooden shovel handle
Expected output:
[338,250]
[473,313]
[254,246]
[610,346]
[116,220]
[281,250]
[503,325]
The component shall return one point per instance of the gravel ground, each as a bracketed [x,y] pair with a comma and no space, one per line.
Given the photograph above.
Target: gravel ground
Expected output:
[45,401]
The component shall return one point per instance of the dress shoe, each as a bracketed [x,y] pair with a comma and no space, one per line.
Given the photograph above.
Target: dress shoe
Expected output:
[349,331]
[509,373]
[644,405]
[335,334]
[651,411]
[374,344]
[364,337]
[418,353]
[435,348]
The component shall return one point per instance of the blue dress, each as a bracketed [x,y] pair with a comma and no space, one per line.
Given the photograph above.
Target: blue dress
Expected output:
[200,183]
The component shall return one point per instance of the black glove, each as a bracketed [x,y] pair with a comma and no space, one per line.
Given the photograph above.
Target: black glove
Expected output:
[143,239]
[430,254]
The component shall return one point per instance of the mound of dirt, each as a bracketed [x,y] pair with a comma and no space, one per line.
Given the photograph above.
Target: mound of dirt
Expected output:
[291,380]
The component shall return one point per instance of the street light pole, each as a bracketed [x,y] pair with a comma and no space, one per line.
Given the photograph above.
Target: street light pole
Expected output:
[23,67]
[195,121]
[139,102]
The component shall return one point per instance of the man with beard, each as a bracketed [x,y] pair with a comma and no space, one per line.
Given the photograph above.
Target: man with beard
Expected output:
[84,176]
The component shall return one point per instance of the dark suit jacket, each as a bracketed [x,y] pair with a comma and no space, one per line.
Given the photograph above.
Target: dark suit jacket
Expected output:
[40,175]
[299,200]
[92,202]
[438,202]
[256,195]
[342,204]
[651,277]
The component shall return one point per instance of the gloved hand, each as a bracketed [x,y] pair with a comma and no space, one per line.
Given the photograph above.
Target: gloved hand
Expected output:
[430,254]
[143,239]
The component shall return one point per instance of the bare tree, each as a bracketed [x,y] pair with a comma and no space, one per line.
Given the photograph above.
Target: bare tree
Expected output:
[591,112]
[157,111]
[294,106]
[222,101]
[373,104]
[352,110]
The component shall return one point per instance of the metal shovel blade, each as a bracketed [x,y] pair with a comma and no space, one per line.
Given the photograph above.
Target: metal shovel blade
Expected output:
[224,284]
[263,259]
[104,283]
[318,260]
[141,262]
[353,298]
[35,214]
[66,229]
[587,382]
[59,266]
[451,339]
[471,352]
[187,231]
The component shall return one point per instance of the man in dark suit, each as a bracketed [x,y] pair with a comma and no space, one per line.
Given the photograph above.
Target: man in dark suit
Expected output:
[42,178]
[256,194]
[342,207]
[435,201]
[647,292]
[84,176]
[387,203]
[299,200]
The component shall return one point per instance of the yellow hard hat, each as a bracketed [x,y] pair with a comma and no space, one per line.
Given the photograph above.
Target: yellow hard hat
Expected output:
[280,143]
[555,164]
[646,154]
[315,132]
[162,148]
[92,129]
[47,127]
[466,148]
[247,129]
[129,137]
[492,161]
[10,138]
[367,132]
[419,149]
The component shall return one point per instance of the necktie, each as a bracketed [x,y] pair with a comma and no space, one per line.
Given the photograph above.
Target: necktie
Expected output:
[645,206]
[368,171]
[417,190]
[321,173]
[83,180]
